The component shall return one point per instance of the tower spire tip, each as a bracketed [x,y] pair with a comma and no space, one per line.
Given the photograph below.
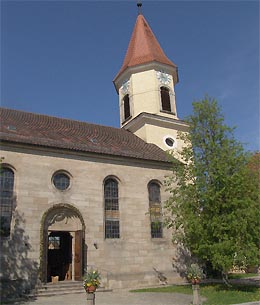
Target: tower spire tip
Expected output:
[139,5]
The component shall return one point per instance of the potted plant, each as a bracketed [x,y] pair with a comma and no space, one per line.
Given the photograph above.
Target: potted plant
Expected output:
[91,281]
[194,274]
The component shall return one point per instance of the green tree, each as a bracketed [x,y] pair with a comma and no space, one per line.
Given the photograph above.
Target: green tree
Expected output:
[214,197]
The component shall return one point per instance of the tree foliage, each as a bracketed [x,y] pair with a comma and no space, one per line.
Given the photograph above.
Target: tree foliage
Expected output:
[214,197]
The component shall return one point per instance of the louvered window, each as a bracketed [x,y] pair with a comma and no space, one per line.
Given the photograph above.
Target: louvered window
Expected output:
[126,107]
[165,99]
[112,229]
[6,199]
[155,209]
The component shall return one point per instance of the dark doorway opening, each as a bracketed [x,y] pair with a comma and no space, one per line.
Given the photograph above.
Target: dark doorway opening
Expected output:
[59,266]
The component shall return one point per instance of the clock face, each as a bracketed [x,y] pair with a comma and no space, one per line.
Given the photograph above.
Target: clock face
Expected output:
[163,77]
[125,86]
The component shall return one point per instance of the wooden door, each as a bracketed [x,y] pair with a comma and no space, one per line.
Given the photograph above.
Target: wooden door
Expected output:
[78,256]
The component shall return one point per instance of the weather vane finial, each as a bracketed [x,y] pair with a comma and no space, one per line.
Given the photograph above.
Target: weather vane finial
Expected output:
[139,5]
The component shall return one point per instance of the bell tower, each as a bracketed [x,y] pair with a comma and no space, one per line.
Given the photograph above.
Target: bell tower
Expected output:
[145,85]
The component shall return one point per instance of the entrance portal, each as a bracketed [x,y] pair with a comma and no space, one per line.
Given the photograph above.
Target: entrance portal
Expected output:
[62,246]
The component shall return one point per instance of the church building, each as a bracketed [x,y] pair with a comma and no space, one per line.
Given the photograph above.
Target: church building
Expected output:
[76,195]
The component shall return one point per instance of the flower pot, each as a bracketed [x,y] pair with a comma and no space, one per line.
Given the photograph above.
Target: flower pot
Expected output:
[91,289]
[195,281]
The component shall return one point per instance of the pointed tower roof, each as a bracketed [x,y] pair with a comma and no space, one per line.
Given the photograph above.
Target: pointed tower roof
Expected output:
[143,47]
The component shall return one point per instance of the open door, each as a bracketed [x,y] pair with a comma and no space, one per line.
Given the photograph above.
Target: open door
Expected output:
[78,256]
[59,256]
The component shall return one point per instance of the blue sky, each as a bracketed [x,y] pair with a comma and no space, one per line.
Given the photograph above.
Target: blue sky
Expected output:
[60,57]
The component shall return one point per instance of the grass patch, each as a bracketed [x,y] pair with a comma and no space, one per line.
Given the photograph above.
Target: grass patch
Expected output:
[220,294]
[186,289]
[216,294]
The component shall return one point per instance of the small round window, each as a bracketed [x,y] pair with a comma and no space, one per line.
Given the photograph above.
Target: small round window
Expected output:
[170,142]
[61,181]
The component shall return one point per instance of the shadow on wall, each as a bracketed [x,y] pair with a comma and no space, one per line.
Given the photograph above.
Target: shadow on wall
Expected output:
[182,261]
[18,272]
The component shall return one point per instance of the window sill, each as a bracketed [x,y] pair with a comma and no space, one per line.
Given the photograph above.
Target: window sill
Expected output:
[113,242]
[159,240]
[168,112]
[126,120]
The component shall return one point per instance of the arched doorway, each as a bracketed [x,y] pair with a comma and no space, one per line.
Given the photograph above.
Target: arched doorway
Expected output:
[62,251]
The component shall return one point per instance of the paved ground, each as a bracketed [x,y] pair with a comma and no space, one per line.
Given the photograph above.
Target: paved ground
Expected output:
[115,298]
[123,297]
[118,298]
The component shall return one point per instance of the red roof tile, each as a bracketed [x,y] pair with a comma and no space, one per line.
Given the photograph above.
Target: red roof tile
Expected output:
[41,130]
[143,47]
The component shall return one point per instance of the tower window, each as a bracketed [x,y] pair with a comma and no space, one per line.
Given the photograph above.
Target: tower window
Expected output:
[112,229]
[169,142]
[165,99]
[155,209]
[6,200]
[126,107]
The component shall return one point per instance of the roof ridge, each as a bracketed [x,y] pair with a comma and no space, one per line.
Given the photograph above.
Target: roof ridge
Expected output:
[56,117]
[44,130]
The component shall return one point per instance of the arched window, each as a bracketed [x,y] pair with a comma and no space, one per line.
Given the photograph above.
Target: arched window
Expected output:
[6,199]
[111,208]
[155,209]
[126,107]
[165,99]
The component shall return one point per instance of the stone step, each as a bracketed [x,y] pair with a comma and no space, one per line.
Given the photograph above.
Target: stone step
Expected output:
[62,288]
[59,292]
[54,289]
[64,292]
[62,284]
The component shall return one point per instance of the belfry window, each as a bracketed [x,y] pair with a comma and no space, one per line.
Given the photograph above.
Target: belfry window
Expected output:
[165,99]
[155,209]
[6,200]
[112,229]
[126,101]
